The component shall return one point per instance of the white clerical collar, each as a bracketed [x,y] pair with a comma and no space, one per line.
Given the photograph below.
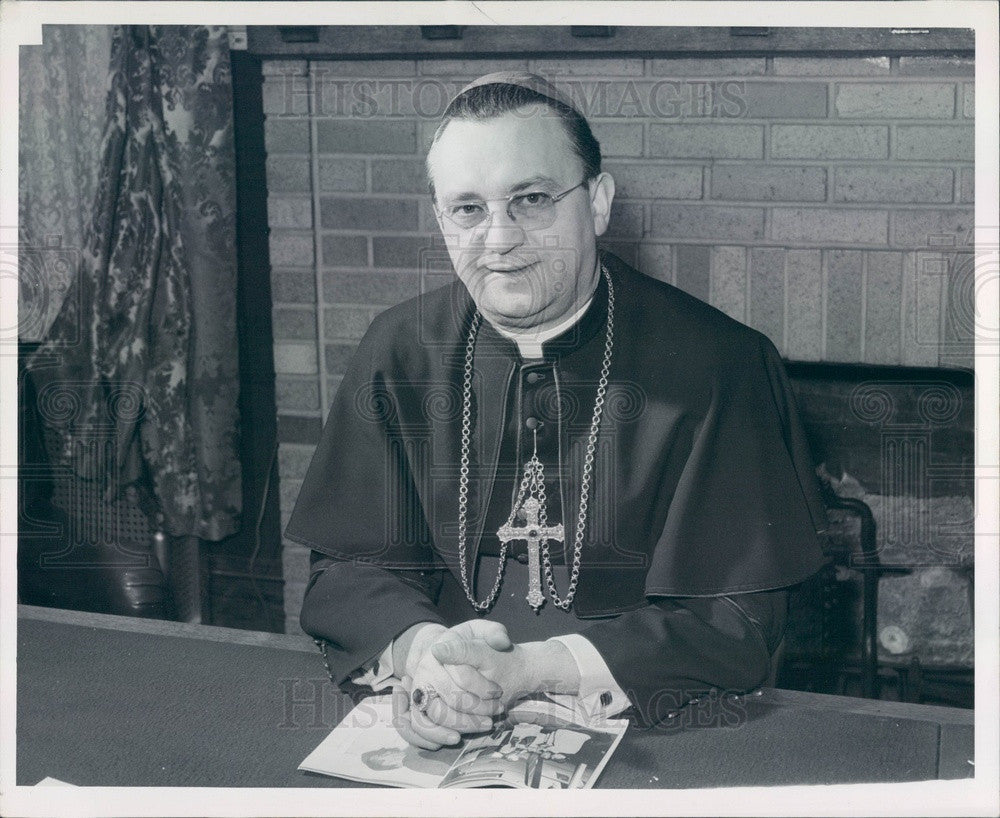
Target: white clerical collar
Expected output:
[529,343]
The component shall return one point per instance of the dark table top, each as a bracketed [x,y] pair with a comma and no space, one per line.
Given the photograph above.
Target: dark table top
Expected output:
[106,700]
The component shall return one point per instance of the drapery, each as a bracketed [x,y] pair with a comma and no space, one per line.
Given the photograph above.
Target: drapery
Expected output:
[142,355]
[62,91]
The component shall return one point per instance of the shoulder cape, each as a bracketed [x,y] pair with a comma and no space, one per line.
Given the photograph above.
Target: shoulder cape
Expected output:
[708,468]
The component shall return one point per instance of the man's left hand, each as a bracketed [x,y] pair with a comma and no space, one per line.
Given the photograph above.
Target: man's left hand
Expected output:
[508,668]
[522,669]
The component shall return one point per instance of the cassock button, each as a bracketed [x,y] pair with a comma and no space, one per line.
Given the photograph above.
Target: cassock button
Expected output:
[606,698]
[535,377]
[532,423]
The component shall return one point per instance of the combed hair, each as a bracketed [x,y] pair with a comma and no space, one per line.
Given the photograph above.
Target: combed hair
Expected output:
[496,99]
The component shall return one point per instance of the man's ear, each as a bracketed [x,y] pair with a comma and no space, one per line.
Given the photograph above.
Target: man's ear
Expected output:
[602,194]
[446,228]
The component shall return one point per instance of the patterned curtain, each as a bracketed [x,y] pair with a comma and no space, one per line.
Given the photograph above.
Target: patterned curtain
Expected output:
[62,87]
[144,344]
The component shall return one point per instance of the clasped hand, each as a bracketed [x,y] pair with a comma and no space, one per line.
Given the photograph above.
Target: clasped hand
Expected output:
[475,671]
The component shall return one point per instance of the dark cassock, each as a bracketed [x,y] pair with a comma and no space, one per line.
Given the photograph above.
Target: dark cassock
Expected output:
[644,483]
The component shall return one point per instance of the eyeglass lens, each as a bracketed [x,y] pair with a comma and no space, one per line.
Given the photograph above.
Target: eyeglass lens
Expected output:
[531,210]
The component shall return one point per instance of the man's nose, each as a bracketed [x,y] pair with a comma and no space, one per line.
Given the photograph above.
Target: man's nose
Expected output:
[501,232]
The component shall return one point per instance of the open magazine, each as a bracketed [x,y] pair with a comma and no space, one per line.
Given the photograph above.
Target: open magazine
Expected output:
[537,745]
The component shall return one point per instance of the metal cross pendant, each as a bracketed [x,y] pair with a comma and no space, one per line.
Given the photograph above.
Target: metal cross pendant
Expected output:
[534,533]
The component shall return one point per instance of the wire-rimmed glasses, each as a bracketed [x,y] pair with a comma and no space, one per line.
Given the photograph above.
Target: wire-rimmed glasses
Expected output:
[530,209]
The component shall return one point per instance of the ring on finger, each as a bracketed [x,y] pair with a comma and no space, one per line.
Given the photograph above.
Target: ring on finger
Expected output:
[438,712]
[420,697]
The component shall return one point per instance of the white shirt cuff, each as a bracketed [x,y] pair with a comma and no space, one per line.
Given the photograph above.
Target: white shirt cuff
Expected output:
[599,696]
[379,672]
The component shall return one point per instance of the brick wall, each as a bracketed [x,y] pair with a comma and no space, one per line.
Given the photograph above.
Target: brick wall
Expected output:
[825,201]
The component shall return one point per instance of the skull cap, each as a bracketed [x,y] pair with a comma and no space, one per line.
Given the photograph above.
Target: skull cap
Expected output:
[522,79]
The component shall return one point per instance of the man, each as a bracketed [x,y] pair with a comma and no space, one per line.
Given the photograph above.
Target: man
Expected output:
[558,424]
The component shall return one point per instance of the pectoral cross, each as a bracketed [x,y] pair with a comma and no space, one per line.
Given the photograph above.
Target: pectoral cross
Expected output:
[535,533]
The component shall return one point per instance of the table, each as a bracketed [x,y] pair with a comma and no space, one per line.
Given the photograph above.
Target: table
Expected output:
[113,701]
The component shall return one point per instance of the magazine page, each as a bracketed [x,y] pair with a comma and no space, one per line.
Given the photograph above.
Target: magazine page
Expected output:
[537,747]
[366,747]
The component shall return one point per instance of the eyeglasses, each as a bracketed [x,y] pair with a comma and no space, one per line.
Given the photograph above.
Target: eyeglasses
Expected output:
[532,209]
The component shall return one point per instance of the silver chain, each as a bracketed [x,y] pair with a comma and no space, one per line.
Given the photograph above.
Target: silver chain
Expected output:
[533,476]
